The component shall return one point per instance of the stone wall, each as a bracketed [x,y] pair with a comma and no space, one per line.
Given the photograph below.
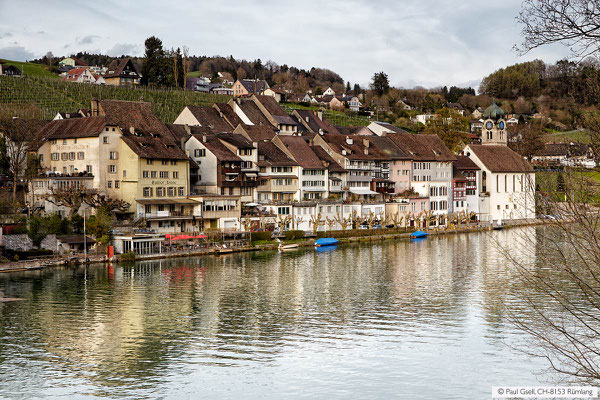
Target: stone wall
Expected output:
[23,242]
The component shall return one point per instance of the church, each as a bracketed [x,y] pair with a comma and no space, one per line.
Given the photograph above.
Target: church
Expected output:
[506,184]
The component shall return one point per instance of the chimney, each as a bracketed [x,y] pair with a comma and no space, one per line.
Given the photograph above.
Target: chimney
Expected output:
[182,143]
[95,107]
[366,142]
[204,138]
[132,130]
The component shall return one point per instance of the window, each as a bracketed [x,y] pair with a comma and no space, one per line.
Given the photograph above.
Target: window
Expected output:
[148,209]
[55,156]
[165,162]
[109,184]
[105,139]
[173,162]
[160,192]
[153,174]
[117,184]
[53,141]
[175,174]
[81,155]
[148,162]
[199,152]
[113,155]
[88,169]
[112,168]
[147,192]
[64,156]
[171,191]
[124,174]
[75,140]
[72,156]
[164,174]
[64,141]
[145,174]
[41,158]
[181,192]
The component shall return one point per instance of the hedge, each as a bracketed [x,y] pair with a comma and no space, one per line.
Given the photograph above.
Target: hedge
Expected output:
[293,235]
[27,254]
[256,236]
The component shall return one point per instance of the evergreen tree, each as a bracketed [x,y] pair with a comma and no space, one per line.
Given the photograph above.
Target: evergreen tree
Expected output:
[380,83]
[356,89]
[155,68]
[348,86]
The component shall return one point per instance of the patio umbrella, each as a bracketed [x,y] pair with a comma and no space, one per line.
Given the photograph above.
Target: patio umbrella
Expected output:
[178,237]
[201,237]
[169,236]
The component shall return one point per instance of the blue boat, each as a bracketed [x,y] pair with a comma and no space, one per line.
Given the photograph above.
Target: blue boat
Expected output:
[326,249]
[418,234]
[326,242]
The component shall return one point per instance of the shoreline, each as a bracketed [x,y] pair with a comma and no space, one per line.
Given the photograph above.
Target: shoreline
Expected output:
[21,266]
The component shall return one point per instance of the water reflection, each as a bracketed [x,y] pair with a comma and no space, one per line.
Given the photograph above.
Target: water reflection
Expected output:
[402,318]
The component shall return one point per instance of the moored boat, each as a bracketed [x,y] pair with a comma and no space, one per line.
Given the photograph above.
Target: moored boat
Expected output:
[326,242]
[418,235]
[287,247]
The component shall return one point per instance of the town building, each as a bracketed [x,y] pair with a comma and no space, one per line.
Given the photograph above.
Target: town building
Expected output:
[245,87]
[122,73]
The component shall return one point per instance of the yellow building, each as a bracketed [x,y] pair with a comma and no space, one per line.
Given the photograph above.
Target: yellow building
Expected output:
[124,151]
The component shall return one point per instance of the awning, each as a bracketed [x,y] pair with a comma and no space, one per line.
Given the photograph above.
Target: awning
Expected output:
[167,201]
[362,191]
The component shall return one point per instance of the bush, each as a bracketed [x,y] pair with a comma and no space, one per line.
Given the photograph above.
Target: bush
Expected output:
[127,257]
[294,235]
[26,254]
[256,236]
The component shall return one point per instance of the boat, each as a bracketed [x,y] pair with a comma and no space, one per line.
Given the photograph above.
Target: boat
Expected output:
[287,247]
[499,226]
[326,249]
[326,242]
[418,235]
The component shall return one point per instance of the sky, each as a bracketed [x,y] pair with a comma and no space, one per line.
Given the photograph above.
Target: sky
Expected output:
[416,42]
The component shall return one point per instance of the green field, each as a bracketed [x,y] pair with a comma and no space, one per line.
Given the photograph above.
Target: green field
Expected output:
[54,95]
[34,70]
[570,136]
[194,74]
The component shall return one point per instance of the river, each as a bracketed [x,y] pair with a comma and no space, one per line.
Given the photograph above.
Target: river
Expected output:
[396,319]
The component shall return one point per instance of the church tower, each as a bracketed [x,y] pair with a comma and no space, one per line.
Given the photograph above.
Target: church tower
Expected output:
[494,126]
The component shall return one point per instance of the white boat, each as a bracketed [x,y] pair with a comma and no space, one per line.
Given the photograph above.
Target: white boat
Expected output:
[287,247]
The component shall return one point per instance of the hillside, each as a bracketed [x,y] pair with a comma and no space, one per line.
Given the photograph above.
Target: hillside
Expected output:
[33,70]
[54,95]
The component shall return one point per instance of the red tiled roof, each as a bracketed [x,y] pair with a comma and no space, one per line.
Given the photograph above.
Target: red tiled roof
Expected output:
[498,158]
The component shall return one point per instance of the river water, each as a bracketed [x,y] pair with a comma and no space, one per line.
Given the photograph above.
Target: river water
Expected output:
[397,319]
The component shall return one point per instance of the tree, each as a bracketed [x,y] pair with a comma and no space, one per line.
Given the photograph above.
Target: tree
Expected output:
[186,65]
[72,198]
[356,89]
[98,200]
[574,23]
[155,67]
[380,83]
[4,161]
[178,72]
[561,290]
[348,87]
[36,231]
[18,134]
[451,127]
[527,139]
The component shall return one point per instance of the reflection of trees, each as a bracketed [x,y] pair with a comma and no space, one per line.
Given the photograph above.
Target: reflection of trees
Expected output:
[108,329]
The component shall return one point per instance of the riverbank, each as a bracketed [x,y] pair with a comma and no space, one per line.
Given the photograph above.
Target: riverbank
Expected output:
[20,266]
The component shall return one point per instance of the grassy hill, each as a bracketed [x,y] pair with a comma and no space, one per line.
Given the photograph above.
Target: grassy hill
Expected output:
[570,136]
[54,95]
[30,69]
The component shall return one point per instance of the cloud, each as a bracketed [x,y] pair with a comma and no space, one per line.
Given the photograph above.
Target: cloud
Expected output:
[16,53]
[87,39]
[5,35]
[120,49]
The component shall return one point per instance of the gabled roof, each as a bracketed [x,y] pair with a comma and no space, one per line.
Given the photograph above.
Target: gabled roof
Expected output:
[216,147]
[251,110]
[74,73]
[464,163]
[421,147]
[227,113]
[116,67]
[273,155]
[457,175]
[302,152]
[389,127]
[360,148]
[253,86]
[236,140]
[183,131]
[257,133]
[271,105]
[498,158]
[315,124]
[210,117]
[71,128]
[388,147]
[331,164]
[347,130]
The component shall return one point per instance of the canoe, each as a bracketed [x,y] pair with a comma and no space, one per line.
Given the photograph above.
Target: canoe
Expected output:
[418,234]
[326,242]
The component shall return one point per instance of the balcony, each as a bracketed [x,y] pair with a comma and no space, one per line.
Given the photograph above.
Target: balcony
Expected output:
[158,215]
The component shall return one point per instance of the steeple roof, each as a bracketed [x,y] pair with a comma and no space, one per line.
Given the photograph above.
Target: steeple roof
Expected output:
[493,112]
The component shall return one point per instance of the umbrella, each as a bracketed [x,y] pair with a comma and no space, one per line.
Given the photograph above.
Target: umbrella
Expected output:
[169,236]
[185,237]
[201,237]
[178,237]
